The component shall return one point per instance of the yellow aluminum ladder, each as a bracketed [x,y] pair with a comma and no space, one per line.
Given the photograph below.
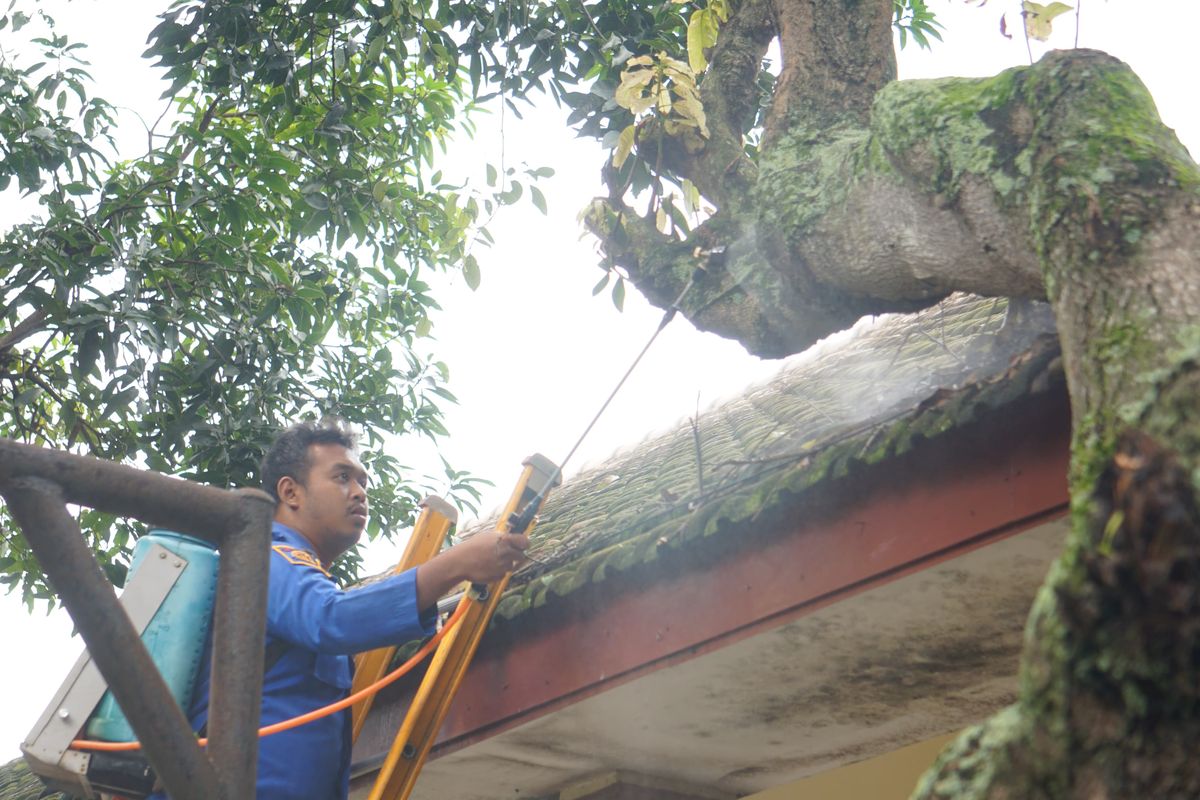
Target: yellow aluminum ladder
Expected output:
[400,769]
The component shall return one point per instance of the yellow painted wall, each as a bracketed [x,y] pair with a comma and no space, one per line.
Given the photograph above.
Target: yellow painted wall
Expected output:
[891,776]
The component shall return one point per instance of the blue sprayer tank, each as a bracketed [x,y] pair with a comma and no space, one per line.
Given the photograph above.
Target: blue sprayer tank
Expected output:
[176,635]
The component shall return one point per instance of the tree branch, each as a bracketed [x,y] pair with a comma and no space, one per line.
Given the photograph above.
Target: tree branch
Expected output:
[737,294]
[151,185]
[836,55]
[24,329]
[730,94]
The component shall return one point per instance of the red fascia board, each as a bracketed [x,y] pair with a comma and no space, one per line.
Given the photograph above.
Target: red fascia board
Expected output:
[964,490]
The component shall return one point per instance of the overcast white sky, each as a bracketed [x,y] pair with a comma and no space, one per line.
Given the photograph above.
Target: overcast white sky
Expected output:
[535,304]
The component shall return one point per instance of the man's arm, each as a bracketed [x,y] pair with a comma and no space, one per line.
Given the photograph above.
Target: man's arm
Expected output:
[306,608]
[483,558]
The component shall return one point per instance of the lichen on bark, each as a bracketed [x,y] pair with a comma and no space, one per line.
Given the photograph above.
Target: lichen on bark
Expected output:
[1108,692]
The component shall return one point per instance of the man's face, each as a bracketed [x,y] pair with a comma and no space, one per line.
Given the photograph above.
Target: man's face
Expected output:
[332,502]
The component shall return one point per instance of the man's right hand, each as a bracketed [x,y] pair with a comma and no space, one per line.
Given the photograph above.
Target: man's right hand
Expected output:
[484,558]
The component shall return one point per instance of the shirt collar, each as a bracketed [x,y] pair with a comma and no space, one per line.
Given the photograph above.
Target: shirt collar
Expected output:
[290,536]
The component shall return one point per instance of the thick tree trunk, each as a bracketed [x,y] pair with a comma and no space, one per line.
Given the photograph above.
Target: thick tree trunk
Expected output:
[1110,676]
[1109,694]
[1055,181]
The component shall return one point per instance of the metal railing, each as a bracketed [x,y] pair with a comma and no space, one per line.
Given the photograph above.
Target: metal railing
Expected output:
[36,484]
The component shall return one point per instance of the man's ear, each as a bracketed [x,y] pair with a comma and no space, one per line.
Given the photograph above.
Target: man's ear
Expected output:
[290,491]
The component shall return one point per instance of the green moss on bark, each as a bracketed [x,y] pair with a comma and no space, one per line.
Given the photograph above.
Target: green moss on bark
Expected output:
[1107,164]
[944,130]
[978,761]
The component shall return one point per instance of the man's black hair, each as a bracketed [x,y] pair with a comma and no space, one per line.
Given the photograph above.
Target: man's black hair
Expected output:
[288,455]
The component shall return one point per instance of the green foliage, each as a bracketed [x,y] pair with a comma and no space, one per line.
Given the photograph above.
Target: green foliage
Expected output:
[262,262]
[912,18]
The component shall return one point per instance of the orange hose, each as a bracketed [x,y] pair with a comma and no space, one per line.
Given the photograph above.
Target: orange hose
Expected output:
[332,708]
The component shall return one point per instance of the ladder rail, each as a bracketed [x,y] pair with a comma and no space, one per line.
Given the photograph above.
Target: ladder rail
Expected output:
[410,749]
[436,518]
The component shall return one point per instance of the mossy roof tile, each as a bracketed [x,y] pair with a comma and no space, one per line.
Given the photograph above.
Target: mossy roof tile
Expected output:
[18,783]
[863,398]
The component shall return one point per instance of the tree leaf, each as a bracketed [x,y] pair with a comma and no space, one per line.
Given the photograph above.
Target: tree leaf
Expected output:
[539,200]
[376,48]
[696,42]
[471,272]
[630,91]
[599,287]
[624,145]
[317,200]
[1039,18]
[691,196]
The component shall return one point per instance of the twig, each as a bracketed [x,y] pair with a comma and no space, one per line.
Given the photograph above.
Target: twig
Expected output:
[591,22]
[942,345]
[150,132]
[900,347]
[699,449]
[817,409]
[1025,29]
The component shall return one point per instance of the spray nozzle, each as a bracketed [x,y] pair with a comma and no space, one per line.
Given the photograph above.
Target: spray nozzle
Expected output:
[711,256]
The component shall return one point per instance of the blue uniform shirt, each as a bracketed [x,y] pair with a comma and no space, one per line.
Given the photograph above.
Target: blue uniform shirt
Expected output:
[321,626]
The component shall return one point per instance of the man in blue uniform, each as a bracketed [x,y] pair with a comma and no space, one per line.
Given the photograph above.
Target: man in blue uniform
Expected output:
[314,627]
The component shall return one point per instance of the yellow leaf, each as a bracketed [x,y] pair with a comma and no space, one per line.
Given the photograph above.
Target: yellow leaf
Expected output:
[684,89]
[676,126]
[1039,18]
[711,26]
[663,99]
[640,61]
[720,8]
[685,78]
[692,109]
[696,42]
[624,146]
[632,83]
[677,66]
[641,104]
[637,77]
[660,220]
[691,196]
